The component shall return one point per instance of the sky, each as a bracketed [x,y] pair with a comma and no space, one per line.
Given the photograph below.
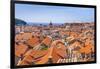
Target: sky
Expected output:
[56,14]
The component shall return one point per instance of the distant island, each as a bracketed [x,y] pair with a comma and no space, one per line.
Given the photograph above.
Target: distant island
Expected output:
[20,22]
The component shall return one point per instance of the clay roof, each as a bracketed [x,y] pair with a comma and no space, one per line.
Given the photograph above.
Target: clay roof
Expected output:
[58,50]
[25,61]
[55,52]
[76,44]
[23,36]
[20,49]
[74,34]
[33,41]
[44,59]
[27,36]
[33,55]
[18,37]
[47,41]
[61,50]
[87,49]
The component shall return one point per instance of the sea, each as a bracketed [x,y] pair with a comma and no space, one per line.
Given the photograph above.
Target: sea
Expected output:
[44,24]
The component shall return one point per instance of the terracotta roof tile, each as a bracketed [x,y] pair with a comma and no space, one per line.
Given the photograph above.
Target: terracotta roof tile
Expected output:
[87,49]
[20,49]
[33,55]
[47,41]
[33,41]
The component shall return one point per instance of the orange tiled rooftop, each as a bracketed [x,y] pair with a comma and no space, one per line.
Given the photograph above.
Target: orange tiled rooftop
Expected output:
[51,44]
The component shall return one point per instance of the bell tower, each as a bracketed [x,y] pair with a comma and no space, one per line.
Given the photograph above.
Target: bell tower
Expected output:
[50,24]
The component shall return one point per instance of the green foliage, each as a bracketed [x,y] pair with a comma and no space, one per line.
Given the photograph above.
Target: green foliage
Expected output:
[44,47]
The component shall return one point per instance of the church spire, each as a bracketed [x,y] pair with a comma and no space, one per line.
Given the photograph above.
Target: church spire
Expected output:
[50,24]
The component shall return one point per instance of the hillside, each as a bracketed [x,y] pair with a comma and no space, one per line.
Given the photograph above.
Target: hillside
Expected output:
[20,22]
